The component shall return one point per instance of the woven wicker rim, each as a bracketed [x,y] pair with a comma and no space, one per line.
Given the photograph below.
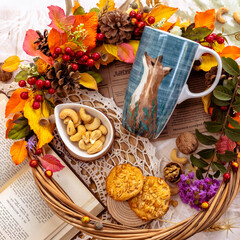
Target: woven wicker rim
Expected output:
[69,212]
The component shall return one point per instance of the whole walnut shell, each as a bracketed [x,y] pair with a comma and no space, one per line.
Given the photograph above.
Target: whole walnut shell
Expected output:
[187,142]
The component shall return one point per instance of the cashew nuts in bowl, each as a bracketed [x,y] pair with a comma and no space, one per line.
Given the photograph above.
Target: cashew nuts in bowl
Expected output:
[86,132]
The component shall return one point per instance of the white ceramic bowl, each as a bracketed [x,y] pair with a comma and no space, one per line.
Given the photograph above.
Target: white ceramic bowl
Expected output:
[72,147]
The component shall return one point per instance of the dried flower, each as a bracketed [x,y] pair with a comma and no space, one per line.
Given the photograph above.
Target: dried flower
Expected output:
[32,143]
[176,30]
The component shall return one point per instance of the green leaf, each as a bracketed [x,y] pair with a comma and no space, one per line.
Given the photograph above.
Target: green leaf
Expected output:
[234,123]
[198,162]
[206,153]
[229,84]
[23,75]
[79,11]
[238,90]
[19,130]
[233,134]
[236,104]
[199,174]
[205,139]
[96,10]
[96,76]
[228,156]
[230,66]
[20,120]
[222,93]
[35,59]
[217,174]
[213,127]
[220,167]
[196,33]
[220,102]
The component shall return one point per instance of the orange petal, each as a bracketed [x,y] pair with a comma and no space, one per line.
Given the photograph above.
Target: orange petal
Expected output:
[18,151]
[205,19]
[231,52]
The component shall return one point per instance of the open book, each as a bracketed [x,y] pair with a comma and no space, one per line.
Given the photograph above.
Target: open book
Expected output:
[24,215]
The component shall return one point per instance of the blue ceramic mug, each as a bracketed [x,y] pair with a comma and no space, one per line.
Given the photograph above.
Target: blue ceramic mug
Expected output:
[158,79]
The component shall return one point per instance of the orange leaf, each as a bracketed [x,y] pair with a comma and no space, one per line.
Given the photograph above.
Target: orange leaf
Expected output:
[205,19]
[42,66]
[11,64]
[88,81]
[166,26]
[75,7]
[111,4]
[15,103]
[10,123]
[125,52]
[230,51]
[56,39]
[18,151]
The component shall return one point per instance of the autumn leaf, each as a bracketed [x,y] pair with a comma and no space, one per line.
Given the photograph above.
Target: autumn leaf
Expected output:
[75,7]
[205,19]
[111,49]
[11,64]
[206,100]
[49,162]
[182,24]
[88,81]
[42,66]
[231,52]
[208,61]
[44,134]
[59,20]
[166,26]
[224,144]
[31,48]
[18,151]
[102,3]
[15,103]
[10,123]
[125,53]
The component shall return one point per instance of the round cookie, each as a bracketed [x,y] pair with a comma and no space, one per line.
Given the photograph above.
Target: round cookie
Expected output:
[153,201]
[124,182]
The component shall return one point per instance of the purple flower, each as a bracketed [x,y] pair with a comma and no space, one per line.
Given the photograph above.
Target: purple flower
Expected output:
[32,142]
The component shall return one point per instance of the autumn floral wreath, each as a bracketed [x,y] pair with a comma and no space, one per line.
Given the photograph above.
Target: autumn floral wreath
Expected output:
[69,55]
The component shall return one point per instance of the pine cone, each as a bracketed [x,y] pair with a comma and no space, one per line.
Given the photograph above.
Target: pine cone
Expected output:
[211,75]
[43,43]
[116,27]
[63,79]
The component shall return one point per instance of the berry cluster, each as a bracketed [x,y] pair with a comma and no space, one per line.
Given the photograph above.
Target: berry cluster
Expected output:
[77,58]
[214,37]
[139,23]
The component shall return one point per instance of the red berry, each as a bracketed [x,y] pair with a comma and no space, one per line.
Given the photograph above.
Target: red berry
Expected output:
[95,56]
[210,110]
[220,40]
[224,108]
[22,83]
[36,105]
[226,177]
[134,21]
[33,163]
[57,50]
[31,80]
[67,50]
[48,173]
[39,83]
[54,55]
[138,16]
[137,31]
[79,54]
[38,98]
[151,20]
[100,36]
[141,24]
[66,58]
[84,58]
[214,35]
[132,14]
[72,54]
[234,166]
[24,95]
[47,83]
[209,38]
[90,62]
[74,67]
[51,90]
[38,151]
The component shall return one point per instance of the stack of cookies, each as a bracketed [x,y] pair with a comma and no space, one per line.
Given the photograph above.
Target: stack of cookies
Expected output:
[148,197]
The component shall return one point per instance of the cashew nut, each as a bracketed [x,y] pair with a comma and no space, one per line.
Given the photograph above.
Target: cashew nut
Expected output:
[66,120]
[68,112]
[76,137]
[236,17]
[70,128]
[78,123]
[84,146]
[174,190]
[84,116]
[93,125]
[102,139]
[95,135]
[175,158]
[96,147]
[103,129]
[86,137]
[219,14]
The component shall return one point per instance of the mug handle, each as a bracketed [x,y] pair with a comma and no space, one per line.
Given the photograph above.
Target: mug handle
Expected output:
[185,94]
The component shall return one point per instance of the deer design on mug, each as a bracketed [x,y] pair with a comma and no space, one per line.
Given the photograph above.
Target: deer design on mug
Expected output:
[142,111]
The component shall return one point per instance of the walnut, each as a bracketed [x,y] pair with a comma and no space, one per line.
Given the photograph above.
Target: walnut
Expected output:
[187,142]
[172,172]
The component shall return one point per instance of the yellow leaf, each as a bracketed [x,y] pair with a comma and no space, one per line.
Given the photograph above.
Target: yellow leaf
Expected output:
[208,61]
[108,58]
[18,151]
[216,46]
[162,11]
[206,102]
[11,64]
[88,81]
[44,134]
[134,44]
[111,49]
[111,4]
